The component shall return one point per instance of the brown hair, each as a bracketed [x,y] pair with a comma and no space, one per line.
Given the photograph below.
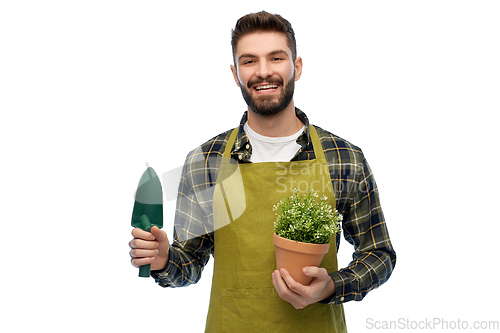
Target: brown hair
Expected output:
[263,22]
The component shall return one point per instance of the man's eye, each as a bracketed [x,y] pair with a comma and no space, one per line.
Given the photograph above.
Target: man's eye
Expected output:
[277,59]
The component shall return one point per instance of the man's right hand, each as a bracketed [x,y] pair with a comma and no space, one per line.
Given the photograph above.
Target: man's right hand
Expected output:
[149,248]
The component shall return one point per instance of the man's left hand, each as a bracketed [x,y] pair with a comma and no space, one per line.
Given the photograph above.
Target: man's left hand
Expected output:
[300,296]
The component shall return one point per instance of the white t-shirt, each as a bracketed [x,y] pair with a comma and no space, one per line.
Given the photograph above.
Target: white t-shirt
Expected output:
[270,149]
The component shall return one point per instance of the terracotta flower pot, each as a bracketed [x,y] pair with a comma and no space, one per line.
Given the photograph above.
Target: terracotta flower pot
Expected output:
[293,256]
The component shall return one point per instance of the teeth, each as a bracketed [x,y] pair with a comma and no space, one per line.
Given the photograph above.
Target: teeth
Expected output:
[268,86]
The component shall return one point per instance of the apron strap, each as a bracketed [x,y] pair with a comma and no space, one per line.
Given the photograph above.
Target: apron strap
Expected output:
[318,149]
[230,142]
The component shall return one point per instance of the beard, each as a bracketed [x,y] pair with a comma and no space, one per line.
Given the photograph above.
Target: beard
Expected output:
[268,105]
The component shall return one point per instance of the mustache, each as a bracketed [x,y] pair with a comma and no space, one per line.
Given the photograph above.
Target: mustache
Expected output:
[260,80]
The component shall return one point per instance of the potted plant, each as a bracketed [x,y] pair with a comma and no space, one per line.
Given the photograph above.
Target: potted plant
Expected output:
[302,232]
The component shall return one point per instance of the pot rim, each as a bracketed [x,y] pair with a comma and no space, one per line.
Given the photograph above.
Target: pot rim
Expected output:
[295,246]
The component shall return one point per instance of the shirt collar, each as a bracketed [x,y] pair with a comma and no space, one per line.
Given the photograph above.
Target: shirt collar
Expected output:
[242,150]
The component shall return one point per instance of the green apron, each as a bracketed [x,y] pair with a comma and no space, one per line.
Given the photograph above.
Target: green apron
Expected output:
[243,298]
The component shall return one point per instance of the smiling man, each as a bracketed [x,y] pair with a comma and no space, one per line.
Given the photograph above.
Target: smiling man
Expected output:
[230,184]
[266,70]
[262,71]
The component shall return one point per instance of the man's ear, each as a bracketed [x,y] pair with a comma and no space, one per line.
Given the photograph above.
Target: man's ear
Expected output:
[235,75]
[298,68]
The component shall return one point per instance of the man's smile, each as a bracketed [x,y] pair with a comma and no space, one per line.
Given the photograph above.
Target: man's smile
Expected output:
[265,88]
[267,96]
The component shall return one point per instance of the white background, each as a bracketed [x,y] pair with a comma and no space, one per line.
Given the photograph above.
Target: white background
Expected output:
[92,90]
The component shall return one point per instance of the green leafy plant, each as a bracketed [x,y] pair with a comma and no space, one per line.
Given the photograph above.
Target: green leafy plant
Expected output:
[303,219]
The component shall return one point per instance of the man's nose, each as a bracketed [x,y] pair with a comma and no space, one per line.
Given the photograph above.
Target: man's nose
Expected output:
[264,69]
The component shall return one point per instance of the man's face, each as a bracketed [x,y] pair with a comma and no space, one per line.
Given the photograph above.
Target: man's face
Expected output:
[265,71]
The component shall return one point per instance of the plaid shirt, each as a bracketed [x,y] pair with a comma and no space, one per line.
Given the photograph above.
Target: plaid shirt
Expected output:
[356,196]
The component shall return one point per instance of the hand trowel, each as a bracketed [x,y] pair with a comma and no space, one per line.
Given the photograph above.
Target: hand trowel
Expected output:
[148,207]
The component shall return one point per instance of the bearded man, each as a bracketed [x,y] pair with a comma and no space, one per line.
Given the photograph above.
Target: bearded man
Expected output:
[230,184]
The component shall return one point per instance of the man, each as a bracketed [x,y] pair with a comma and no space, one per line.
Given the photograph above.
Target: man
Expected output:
[230,183]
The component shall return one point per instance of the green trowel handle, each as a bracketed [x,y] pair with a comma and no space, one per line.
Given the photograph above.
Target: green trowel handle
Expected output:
[146,226]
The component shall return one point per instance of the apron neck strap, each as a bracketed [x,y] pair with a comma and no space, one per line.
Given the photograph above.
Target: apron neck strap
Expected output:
[318,149]
[230,143]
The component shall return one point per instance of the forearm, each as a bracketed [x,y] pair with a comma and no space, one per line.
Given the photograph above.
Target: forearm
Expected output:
[185,265]
[193,229]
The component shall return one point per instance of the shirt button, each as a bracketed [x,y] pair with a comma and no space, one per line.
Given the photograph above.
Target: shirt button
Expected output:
[240,157]
[342,298]
[247,146]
